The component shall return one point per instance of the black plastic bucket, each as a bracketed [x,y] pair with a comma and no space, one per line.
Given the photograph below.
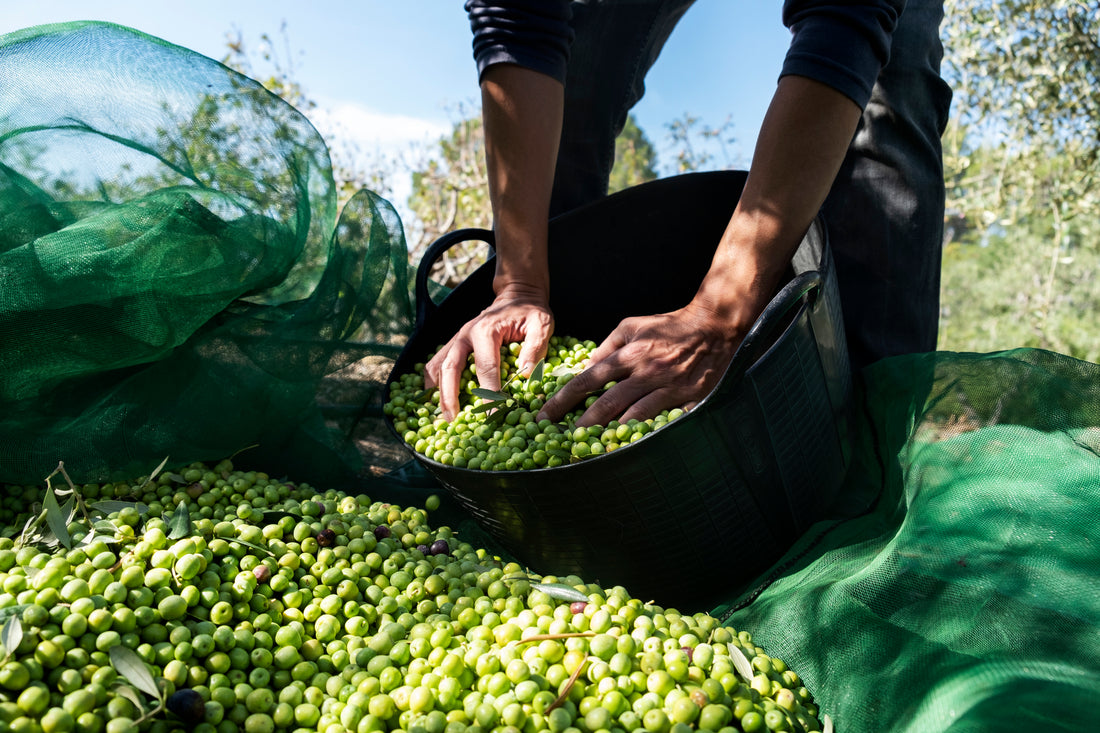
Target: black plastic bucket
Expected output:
[699,507]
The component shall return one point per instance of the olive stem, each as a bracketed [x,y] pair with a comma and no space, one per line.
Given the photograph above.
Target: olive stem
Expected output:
[568,686]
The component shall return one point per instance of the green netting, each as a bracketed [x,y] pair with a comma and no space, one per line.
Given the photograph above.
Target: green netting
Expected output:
[965,596]
[174,280]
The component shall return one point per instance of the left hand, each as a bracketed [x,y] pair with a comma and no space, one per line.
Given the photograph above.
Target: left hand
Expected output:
[658,362]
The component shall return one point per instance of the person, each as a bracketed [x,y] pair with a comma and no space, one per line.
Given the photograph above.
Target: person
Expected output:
[853,130]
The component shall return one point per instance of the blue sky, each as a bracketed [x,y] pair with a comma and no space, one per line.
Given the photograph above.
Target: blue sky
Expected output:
[394,73]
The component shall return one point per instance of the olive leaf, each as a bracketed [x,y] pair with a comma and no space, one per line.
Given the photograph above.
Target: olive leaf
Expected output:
[102,531]
[179,526]
[242,450]
[828,724]
[11,635]
[271,517]
[110,506]
[562,369]
[253,546]
[741,662]
[488,394]
[497,417]
[536,373]
[153,475]
[68,509]
[128,664]
[561,592]
[35,519]
[11,611]
[485,407]
[130,694]
[56,518]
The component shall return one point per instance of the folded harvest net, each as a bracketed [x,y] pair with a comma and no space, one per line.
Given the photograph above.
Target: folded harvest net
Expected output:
[175,280]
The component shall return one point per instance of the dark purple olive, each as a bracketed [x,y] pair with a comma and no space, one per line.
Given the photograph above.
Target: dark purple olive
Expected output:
[440,547]
[187,705]
[326,538]
[578,606]
[381,532]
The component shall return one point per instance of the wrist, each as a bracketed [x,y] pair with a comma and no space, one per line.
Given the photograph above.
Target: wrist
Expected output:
[522,268]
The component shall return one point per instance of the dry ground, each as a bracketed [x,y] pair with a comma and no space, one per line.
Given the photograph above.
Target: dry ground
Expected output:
[342,396]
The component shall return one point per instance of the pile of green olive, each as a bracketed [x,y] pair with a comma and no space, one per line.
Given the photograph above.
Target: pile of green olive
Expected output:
[213,599]
[500,431]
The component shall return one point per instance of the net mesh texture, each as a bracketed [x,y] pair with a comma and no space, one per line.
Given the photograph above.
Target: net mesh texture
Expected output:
[956,588]
[175,280]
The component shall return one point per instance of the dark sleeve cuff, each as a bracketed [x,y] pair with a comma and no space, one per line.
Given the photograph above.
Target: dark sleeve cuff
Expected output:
[843,45]
[535,34]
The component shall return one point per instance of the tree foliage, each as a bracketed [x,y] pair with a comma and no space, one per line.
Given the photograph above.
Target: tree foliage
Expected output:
[698,146]
[635,158]
[271,63]
[451,190]
[1022,166]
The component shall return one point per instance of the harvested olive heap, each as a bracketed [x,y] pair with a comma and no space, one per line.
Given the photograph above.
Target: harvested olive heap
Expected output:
[212,599]
[498,431]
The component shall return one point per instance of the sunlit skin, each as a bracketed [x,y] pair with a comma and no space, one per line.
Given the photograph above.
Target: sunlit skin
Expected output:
[662,361]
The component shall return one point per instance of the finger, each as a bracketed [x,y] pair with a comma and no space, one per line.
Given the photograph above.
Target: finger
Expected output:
[450,378]
[615,341]
[576,390]
[617,402]
[435,364]
[605,409]
[536,342]
[653,403]
[487,359]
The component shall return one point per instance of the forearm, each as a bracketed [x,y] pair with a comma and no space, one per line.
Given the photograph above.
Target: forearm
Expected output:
[801,146]
[522,111]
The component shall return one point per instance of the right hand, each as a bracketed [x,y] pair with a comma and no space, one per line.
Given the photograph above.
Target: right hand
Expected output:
[516,314]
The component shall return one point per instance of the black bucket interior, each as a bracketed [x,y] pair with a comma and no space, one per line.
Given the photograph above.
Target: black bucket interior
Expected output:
[736,478]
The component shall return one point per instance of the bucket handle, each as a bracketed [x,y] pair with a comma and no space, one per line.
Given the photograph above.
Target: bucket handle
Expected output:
[802,291]
[425,306]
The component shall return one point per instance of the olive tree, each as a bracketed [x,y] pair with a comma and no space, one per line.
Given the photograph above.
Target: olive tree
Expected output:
[1023,153]
[451,190]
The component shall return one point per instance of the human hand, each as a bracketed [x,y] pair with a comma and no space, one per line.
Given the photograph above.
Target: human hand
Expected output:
[512,316]
[658,362]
